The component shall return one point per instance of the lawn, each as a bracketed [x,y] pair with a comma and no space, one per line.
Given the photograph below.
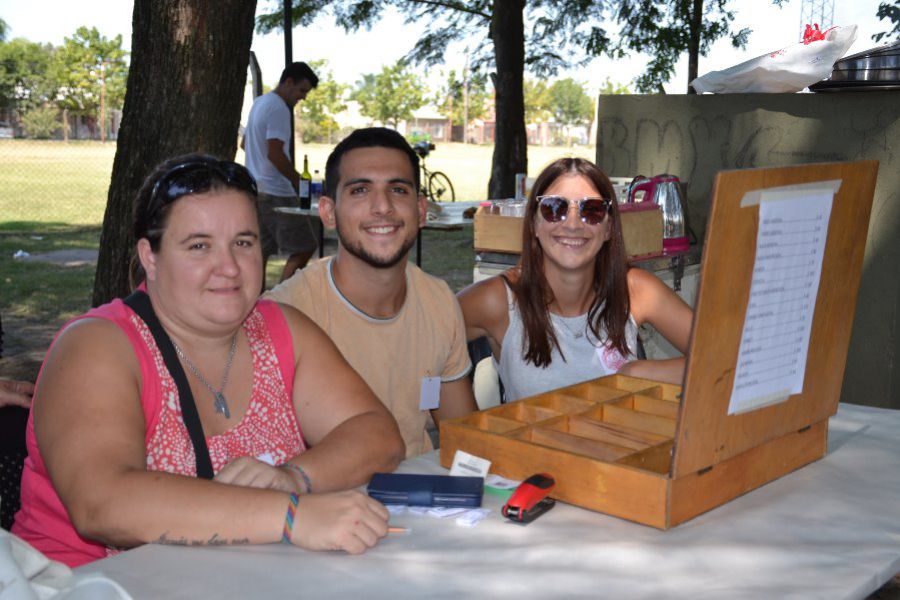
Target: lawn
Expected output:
[53,194]
[467,165]
[66,182]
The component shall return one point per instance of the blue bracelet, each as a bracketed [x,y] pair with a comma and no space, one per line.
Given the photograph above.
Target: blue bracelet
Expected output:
[303,474]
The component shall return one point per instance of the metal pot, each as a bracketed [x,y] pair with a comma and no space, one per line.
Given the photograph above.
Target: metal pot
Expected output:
[665,191]
[872,69]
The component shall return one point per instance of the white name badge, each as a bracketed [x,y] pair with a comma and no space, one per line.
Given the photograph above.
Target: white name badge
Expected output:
[430,395]
[469,465]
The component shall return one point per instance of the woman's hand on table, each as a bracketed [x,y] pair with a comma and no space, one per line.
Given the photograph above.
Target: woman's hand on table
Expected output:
[250,472]
[348,521]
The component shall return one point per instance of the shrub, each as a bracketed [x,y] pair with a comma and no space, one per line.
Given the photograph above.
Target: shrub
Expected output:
[40,123]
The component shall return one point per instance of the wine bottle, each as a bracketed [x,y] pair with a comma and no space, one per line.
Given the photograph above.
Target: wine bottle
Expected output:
[305,185]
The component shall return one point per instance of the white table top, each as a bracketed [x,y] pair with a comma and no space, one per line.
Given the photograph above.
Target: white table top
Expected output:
[831,529]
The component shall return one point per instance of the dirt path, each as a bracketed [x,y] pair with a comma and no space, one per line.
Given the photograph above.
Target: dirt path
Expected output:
[25,341]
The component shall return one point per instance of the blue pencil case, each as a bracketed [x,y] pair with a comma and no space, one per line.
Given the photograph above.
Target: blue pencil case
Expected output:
[426,490]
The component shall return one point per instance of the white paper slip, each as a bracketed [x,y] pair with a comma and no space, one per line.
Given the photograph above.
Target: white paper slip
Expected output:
[396,509]
[469,465]
[790,244]
[442,512]
[472,517]
[430,393]
[501,483]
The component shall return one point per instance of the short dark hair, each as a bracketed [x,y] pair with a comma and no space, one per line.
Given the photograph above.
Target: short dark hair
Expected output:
[298,71]
[369,137]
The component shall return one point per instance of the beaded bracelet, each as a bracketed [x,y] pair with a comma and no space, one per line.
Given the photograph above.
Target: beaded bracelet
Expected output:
[289,518]
[303,474]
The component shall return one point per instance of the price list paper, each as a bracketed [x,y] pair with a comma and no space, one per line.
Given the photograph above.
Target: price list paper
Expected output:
[790,244]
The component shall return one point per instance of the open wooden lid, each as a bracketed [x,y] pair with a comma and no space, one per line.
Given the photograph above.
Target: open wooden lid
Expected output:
[706,434]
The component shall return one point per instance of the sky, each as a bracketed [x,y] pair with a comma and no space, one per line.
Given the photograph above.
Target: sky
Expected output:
[352,55]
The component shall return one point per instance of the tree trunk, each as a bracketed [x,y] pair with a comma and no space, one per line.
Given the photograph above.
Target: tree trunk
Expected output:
[184,94]
[694,43]
[510,143]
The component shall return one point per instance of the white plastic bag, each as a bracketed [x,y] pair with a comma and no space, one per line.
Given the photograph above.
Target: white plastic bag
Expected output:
[784,71]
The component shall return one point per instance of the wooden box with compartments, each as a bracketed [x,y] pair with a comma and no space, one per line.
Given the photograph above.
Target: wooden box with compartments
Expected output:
[750,409]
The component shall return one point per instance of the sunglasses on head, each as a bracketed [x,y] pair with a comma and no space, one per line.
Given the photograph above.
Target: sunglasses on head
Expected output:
[592,210]
[198,176]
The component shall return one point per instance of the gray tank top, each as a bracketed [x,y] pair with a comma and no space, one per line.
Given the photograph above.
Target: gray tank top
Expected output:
[585,357]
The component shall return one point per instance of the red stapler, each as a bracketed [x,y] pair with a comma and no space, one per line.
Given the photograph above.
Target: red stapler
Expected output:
[530,500]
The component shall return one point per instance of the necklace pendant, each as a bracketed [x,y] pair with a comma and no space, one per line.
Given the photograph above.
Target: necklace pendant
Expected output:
[221,405]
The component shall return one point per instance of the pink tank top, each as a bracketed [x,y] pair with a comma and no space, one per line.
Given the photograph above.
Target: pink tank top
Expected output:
[269,427]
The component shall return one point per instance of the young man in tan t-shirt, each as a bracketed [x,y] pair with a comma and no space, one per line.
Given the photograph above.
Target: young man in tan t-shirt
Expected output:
[399,327]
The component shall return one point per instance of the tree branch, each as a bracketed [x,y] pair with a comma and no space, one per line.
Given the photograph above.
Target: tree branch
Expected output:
[453,6]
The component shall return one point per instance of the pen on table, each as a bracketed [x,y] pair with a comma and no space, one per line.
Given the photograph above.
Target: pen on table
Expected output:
[398,530]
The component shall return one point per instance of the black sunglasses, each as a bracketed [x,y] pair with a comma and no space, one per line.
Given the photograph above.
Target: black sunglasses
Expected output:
[592,210]
[197,176]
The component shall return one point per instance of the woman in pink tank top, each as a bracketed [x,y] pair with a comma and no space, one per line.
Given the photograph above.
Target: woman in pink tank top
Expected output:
[112,463]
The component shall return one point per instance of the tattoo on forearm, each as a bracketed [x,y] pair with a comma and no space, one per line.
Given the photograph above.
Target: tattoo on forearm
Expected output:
[214,540]
[165,540]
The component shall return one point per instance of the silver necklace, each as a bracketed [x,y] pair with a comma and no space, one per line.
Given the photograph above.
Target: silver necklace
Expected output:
[576,334]
[219,402]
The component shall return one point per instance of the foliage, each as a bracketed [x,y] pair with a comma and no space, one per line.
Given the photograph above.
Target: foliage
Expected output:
[83,64]
[3,28]
[537,101]
[886,11]
[665,29]
[609,88]
[418,136]
[24,80]
[41,122]
[571,104]
[556,33]
[451,99]
[390,96]
[315,117]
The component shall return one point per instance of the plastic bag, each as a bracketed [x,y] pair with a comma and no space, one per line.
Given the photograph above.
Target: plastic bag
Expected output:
[784,71]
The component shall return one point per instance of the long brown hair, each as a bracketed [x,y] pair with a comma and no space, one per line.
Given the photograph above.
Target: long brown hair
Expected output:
[610,307]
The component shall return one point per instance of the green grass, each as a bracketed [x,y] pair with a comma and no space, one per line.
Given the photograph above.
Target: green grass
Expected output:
[54,182]
[467,165]
[66,183]
[40,290]
[53,195]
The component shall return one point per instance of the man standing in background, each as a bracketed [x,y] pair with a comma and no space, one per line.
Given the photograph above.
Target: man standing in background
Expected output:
[267,145]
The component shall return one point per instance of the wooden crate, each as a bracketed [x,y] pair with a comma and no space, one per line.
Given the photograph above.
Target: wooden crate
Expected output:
[641,229]
[647,452]
[495,233]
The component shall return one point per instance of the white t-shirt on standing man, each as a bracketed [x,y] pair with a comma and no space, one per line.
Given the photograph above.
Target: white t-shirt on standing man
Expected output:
[270,119]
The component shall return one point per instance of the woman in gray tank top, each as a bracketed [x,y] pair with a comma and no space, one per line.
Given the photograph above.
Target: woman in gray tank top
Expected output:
[569,311]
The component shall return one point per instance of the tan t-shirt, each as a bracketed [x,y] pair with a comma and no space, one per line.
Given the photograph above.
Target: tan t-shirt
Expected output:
[427,338]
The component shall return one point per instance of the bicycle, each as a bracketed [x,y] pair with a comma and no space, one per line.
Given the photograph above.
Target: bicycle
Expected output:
[436,186]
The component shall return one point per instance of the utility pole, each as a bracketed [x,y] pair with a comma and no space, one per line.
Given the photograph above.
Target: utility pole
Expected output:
[466,99]
[288,59]
[103,101]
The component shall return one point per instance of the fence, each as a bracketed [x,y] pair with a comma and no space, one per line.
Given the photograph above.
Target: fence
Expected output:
[54,182]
